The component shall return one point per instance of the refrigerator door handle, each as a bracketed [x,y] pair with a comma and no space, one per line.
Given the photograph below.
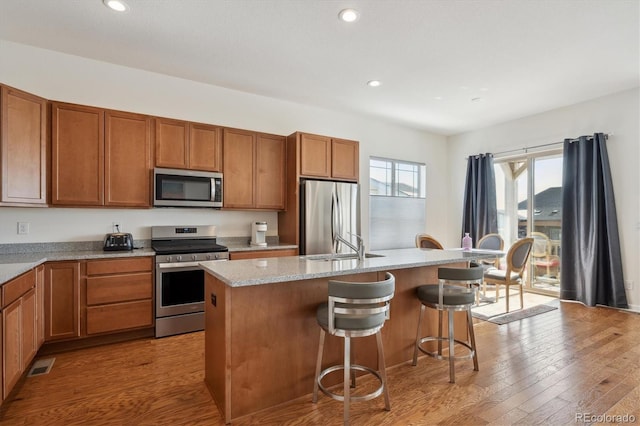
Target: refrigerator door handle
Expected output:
[334,240]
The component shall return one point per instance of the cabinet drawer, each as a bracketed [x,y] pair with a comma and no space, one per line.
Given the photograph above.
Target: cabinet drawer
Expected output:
[118,266]
[119,288]
[15,288]
[119,316]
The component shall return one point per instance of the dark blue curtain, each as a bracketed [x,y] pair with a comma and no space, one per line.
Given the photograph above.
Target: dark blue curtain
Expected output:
[480,214]
[591,263]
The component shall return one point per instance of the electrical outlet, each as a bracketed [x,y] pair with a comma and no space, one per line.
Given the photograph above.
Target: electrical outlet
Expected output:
[628,284]
[116,226]
[23,228]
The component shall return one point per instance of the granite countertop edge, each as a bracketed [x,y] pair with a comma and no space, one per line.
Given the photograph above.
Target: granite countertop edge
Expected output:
[13,265]
[251,272]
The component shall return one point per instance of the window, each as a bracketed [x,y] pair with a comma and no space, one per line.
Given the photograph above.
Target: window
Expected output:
[395,178]
[396,203]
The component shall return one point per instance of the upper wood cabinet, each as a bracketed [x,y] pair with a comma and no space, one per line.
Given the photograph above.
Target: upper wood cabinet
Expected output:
[185,145]
[23,148]
[326,157]
[77,155]
[100,157]
[271,172]
[254,170]
[128,161]
[345,159]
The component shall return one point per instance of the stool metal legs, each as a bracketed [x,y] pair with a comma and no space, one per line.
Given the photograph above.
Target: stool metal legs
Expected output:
[349,369]
[470,345]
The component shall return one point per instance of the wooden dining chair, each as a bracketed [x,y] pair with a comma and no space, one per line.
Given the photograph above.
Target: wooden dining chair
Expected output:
[427,241]
[513,275]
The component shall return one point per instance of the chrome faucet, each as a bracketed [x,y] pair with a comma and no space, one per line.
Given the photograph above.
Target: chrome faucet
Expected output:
[359,249]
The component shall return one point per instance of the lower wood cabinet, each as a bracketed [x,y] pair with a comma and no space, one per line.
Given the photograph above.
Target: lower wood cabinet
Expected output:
[18,329]
[62,296]
[93,297]
[119,295]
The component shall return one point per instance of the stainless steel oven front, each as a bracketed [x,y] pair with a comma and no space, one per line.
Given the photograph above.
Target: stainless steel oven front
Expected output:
[180,292]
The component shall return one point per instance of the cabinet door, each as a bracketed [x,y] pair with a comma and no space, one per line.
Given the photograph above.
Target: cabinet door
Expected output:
[62,297]
[23,148]
[77,155]
[205,147]
[270,172]
[28,331]
[128,162]
[39,306]
[345,158]
[315,155]
[12,368]
[239,157]
[172,143]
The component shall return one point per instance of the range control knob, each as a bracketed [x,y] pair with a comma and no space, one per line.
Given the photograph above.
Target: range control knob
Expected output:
[194,257]
[208,257]
[179,258]
[217,256]
[168,258]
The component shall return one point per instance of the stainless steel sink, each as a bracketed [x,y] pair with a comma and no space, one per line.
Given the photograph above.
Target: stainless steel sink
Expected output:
[336,257]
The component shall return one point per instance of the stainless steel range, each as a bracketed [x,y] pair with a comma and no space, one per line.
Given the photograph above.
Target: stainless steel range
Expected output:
[179,279]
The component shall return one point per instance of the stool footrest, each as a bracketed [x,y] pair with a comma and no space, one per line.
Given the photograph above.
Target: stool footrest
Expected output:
[357,367]
[445,339]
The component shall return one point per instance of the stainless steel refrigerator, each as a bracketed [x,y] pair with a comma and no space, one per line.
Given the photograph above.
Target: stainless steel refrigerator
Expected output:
[328,209]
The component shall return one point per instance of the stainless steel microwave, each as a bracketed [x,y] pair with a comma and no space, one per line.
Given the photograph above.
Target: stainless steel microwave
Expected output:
[186,188]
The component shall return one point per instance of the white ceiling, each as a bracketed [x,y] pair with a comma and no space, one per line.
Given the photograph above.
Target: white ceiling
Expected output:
[521,57]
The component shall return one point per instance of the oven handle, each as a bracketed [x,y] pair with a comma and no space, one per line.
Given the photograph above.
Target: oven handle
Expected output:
[181,265]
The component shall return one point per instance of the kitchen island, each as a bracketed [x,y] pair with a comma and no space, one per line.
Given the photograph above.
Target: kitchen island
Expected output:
[261,336]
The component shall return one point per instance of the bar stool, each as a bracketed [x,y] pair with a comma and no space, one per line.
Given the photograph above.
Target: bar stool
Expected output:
[354,310]
[455,291]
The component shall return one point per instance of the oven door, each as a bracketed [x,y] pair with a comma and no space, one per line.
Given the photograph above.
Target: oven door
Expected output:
[179,289]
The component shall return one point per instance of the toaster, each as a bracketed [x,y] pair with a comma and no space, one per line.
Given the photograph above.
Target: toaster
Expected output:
[118,241]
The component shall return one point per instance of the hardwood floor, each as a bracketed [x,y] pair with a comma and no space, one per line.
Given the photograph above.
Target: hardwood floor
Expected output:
[541,370]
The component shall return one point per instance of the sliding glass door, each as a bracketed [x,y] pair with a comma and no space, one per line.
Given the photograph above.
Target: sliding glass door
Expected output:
[529,194]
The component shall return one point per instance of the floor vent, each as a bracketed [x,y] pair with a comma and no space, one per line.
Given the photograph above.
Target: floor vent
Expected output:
[41,366]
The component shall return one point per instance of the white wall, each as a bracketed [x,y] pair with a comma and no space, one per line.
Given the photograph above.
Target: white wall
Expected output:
[618,115]
[68,78]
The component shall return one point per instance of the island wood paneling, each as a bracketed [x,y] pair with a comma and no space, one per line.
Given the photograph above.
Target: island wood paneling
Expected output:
[270,337]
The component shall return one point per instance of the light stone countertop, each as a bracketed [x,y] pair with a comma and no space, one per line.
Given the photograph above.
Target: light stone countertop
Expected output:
[239,273]
[12,265]
[24,257]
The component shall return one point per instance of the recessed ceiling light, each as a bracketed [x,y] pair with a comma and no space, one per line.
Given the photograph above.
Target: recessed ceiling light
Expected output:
[349,15]
[373,83]
[438,98]
[117,5]
[476,99]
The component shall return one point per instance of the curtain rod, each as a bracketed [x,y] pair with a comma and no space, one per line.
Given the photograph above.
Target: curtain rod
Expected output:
[526,149]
